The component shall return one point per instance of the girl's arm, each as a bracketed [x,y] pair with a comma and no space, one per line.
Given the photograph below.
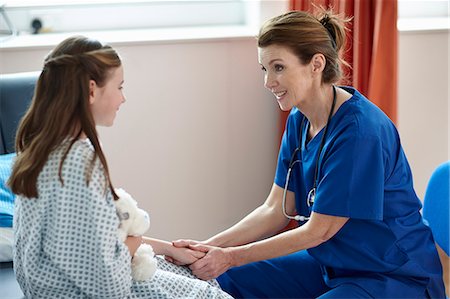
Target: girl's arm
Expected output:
[133,244]
[183,256]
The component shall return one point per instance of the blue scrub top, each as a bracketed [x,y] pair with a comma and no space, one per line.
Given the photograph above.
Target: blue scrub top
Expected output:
[363,175]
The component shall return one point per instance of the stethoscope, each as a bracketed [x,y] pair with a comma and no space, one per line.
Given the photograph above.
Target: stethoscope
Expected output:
[312,193]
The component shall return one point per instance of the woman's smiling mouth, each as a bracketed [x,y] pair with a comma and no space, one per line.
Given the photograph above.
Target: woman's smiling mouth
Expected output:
[279,94]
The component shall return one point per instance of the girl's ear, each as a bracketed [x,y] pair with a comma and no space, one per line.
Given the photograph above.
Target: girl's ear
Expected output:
[92,91]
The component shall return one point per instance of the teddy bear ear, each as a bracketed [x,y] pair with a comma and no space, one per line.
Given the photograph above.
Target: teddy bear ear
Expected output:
[123,216]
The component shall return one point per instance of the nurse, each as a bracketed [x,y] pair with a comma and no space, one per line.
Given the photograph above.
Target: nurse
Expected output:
[342,174]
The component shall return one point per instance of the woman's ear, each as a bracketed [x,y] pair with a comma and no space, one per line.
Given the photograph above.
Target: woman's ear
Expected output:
[318,63]
[92,91]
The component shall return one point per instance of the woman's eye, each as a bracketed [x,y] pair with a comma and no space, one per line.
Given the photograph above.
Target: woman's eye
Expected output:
[278,67]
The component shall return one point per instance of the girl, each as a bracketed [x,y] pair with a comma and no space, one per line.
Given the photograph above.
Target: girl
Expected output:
[66,242]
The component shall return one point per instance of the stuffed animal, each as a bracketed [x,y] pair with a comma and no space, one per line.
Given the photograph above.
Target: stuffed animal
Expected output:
[135,222]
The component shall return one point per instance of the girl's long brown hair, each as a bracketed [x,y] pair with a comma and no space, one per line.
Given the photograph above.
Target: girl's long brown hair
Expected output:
[60,109]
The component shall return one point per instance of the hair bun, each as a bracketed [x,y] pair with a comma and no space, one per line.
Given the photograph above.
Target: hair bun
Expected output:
[325,21]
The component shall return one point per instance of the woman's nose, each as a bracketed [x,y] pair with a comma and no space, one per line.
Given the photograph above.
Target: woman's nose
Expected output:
[269,82]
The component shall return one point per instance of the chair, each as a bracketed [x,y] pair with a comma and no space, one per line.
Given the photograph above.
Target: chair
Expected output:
[436,213]
[16,92]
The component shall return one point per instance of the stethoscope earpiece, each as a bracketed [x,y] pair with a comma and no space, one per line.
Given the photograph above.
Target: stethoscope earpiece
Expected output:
[300,218]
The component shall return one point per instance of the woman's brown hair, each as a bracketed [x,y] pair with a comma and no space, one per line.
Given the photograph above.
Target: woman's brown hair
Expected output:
[307,35]
[60,110]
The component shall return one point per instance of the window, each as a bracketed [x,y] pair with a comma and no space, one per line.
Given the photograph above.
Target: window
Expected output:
[95,15]
[423,15]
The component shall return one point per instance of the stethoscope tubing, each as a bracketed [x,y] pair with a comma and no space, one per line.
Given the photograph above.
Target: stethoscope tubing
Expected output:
[283,202]
[312,193]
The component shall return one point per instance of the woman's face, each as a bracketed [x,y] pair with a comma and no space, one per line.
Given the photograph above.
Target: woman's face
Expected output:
[105,101]
[285,76]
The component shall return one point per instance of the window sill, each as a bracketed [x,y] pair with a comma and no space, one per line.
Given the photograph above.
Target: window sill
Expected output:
[127,37]
[423,24]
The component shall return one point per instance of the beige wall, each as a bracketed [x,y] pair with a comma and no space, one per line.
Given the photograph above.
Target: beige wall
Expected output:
[196,141]
[423,104]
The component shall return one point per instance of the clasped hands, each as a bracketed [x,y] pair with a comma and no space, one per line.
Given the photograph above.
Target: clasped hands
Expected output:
[205,261]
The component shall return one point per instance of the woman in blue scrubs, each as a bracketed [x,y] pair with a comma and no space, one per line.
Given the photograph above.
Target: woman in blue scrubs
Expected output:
[342,174]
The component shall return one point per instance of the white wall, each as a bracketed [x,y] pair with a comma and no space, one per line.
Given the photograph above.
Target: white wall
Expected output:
[195,142]
[423,103]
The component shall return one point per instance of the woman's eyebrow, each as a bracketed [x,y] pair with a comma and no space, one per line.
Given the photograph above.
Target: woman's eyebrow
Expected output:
[274,60]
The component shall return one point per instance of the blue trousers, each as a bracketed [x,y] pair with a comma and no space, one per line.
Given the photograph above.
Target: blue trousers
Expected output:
[297,275]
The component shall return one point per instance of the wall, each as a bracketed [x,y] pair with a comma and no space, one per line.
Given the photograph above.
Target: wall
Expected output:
[423,103]
[195,142]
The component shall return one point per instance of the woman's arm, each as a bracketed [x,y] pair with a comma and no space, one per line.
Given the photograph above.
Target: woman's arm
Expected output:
[263,222]
[320,228]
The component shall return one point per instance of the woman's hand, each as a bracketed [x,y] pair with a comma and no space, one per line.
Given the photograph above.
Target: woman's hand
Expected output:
[133,244]
[216,261]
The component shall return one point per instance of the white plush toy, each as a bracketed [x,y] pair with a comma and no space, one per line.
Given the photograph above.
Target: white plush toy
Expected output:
[135,222]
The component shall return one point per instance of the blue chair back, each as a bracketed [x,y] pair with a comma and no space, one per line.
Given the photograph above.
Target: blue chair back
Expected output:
[16,92]
[436,205]
[436,213]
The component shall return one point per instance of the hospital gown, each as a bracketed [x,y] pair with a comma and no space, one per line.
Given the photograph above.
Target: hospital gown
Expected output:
[66,242]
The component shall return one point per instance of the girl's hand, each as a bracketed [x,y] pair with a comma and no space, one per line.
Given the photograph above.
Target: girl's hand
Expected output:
[183,256]
[185,243]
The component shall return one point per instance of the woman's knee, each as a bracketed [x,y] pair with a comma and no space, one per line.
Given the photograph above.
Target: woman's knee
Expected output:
[297,275]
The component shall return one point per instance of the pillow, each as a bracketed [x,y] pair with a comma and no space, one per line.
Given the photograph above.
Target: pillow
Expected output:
[6,196]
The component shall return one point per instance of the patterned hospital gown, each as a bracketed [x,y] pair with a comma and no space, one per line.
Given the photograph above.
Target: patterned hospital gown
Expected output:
[66,243]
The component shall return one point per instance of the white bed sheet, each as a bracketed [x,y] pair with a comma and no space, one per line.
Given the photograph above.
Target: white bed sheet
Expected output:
[6,244]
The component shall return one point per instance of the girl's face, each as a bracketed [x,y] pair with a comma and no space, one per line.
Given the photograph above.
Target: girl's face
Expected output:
[285,76]
[105,101]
